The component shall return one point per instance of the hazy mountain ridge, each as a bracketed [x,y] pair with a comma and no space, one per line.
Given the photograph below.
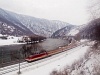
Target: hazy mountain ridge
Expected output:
[29,25]
[7,22]
[72,30]
[63,32]
[41,26]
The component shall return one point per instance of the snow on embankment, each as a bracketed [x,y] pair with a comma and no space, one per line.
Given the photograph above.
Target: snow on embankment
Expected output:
[92,65]
[59,62]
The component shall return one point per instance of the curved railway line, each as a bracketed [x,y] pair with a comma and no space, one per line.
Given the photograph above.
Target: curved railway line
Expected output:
[54,53]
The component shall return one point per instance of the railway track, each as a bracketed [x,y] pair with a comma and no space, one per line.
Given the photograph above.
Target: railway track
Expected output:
[12,68]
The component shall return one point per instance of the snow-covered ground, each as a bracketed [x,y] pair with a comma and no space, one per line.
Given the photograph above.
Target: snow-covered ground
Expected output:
[59,62]
[91,64]
[10,41]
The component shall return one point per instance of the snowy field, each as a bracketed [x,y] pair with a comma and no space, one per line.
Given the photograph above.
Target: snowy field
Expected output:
[13,41]
[59,62]
[9,42]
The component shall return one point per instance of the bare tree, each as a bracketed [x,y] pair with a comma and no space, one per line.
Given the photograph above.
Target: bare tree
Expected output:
[94,9]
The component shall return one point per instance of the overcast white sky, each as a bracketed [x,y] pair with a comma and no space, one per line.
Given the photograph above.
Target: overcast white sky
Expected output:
[71,11]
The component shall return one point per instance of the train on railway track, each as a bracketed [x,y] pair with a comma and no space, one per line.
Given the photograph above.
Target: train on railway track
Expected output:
[45,54]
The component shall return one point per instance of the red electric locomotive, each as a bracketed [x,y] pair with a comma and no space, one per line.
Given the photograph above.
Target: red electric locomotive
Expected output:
[36,56]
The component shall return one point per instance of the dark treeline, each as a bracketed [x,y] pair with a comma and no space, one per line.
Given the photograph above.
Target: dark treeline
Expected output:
[37,38]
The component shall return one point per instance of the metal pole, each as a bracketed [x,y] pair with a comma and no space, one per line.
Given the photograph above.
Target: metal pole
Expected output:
[19,72]
[2,57]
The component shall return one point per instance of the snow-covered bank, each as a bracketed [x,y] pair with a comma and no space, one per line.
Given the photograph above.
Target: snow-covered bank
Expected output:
[45,68]
[92,65]
[10,41]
